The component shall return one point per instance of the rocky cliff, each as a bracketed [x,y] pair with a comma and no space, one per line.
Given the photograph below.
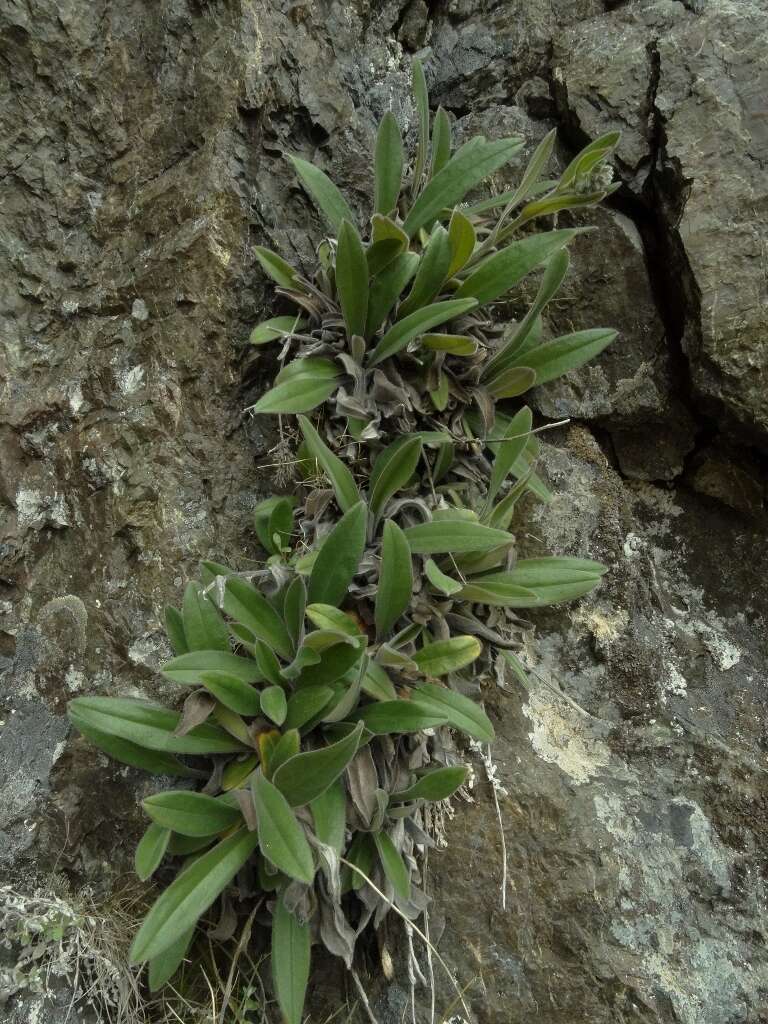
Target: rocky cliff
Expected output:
[139,163]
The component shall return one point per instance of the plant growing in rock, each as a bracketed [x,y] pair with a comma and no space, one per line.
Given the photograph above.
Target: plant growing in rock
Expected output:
[315,727]
[398,330]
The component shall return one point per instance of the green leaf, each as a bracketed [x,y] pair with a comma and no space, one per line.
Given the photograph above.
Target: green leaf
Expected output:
[386,288]
[326,616]
[438,784]
[187,668]
[392,470]
[174,627]
[342,481]
[441,142]
[534,582]
[246,605]
[510,383]
[552,278]
[339,557]
[291,952]
[280,271]
[204,628]
[445,656]
[421,96]
[274,704]
[379,255]
[232,692]
[151,850]
[587,159]
[433,270]
[388,164]
[398,336]
[439,580]
[236,772]
[281,837]
[306,704]
[533,171]
[394,716]
[293,609]
[147,725]
[190,814]
[440,394]
[333,662]
[287,746]
[394,865]
[456,537]
[163,967]
[326,196]
[300,394]
[502,271]
[276,327]
[329,812]
[554,358]
[395,587]
[461,236]
[352,279]
[306,776]
[452,344]
[507,451]
[361,853]
[459,711]
[190,894]
[134,755]
[183,846]
[467,168]
[269,666]
[376,683]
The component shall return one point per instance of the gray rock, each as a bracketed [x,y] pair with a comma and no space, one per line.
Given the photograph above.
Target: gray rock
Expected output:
[141,161]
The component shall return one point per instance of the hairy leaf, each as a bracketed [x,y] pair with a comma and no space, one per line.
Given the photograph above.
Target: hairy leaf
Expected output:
[467,168]
[502,271]
[280,271]
[151,850]
[190,814]
[249,607]
[188,897]
[274,328]
[395,588]
[388,164]
[554,358]
[393,864]
[398,336]
[445,656]
[392,471]
[342,481]
[147,725]
[455,537]
[458,710]
[339,557]
[386,288]
[441,142]
[352,278]
[281,837]
[432,272]
[438,784]
[326,196]
[187,668]
[393,716]
[232,692]
[306,776]
[291,952]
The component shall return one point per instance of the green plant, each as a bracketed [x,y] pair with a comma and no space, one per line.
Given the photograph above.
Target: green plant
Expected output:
[312,695]
[323,683]
[363,341]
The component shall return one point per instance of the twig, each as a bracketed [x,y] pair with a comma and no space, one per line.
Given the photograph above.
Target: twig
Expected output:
[363,997]
[418,931]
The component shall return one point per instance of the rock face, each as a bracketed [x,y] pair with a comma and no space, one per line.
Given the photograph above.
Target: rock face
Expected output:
[140,149]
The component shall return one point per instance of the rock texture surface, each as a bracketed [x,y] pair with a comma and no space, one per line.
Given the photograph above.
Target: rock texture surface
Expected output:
[140,162]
